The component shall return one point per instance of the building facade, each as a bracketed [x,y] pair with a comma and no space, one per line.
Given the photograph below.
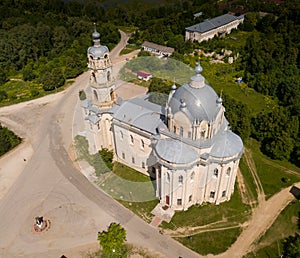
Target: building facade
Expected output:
[210,28]
[186,146]
[158,50]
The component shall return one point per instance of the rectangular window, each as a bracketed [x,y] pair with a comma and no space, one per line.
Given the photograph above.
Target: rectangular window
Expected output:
[181,131]
[123,155]
[133,160]
[179,201]
[131,139]
[143,164]
[180,179]
[142,144]
[212,195]
[223,193]
[216,172]
[189,134]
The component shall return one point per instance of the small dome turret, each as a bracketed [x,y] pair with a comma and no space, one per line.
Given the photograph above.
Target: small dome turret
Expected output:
[182,104]
[174,87]
[219,101]
[197,81]
[97,51]
[96,35]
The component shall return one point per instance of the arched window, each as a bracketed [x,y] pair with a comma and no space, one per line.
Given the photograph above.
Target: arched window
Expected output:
[228,171]
[216,172]
[108,76]
[96,95]
[180,179]
[168,177]
[192,176]
[142,144]
[202,133]
[131,139]
[174,129]
[181,131]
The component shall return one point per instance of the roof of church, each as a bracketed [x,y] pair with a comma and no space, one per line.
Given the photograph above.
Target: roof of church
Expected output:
[213,23]
[175,151]
[198,99]
[226,144]
[98,51]
[93,118]
[141,114]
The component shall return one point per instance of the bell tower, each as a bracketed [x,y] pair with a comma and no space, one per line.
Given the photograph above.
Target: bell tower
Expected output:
[101,78]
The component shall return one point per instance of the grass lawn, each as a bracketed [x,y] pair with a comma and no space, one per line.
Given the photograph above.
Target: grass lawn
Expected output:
[222,78]
[169,69]
[127,185]
[214,242]
[95,160]
[128,173]
[142,209]
[19,91]
[274,175]
[229,213]
[287,223]
[128,49]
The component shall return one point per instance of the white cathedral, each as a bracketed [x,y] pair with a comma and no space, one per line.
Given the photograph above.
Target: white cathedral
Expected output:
[186,145]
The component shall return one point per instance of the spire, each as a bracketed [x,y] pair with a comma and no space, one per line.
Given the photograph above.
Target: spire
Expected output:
[96,36]
[219,99]
[197,81]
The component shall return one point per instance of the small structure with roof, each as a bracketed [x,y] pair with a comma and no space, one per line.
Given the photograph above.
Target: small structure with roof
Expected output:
[142,75]
[213,27]
[156,49]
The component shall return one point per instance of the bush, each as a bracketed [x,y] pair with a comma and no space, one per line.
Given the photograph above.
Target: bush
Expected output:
[52,80]
[3,95]
[8,140]
[82,95]
[107,157]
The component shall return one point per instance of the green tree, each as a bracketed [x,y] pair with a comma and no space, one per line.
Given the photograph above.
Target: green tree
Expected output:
[112,241]
[3,76]
[52,80]
[3,95]
[107,157]
[291,246]
[159,90]
[8,140]
[238,115]
[278,131]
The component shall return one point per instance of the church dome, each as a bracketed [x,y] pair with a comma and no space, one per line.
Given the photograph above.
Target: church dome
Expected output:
[226,144]
[200,100]
[97,51]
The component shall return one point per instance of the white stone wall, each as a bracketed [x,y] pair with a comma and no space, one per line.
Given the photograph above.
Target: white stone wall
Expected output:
[182,188]
[189,35]
[132,148]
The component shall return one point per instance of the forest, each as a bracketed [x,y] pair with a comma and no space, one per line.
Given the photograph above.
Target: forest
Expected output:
[43,44]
